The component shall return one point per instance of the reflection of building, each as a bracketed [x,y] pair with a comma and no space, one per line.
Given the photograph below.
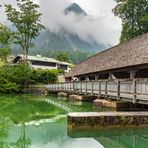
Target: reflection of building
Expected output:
[39,62]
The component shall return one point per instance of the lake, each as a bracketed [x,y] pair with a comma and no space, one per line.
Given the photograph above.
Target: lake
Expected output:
[41,122]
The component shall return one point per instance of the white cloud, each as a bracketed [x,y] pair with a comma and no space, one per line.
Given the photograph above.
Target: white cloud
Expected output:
[3,18]
[2,9]
[100,25]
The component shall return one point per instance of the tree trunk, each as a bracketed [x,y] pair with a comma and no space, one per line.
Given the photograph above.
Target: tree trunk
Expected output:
[26,56]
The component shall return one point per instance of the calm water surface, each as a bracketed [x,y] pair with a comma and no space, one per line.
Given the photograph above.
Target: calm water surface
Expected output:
[25,122]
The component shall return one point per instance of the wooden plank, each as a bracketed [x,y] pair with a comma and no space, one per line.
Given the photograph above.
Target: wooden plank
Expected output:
[100,88]
[92,87]
[86,87]
[124,89]
[134,91]
[118,90]
[106,87]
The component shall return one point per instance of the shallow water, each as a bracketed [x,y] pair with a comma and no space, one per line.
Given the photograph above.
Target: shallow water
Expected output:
[52,132]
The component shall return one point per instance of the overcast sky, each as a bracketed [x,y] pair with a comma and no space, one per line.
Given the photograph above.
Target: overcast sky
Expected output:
[100,25]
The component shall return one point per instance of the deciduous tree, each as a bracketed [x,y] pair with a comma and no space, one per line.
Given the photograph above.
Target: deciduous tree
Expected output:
[134,17]
[26,19]
[5,41]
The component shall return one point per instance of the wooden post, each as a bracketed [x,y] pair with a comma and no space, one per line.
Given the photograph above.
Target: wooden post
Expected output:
[64,86]
[100,88]
[76,85]
[86,88]
[92,87]
[105,87]
[80,87]
[70,87]
[132,73]
[118,90]
[134,91]
[58,86]
[61,86]
[73,86]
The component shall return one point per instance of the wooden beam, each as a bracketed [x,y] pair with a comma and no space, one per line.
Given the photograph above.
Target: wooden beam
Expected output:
[134,91]
[118,90]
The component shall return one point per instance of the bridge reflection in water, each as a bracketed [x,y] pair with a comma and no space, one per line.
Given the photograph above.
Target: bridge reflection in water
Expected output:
[70,105]
[115,138]
[109,137]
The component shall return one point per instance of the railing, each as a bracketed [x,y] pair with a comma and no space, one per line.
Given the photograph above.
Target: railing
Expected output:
[133,90]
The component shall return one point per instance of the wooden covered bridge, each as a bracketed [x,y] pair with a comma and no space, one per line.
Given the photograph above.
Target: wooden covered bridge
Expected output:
[120,72]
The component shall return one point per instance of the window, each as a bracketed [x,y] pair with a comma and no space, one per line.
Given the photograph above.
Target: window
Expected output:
[42,63]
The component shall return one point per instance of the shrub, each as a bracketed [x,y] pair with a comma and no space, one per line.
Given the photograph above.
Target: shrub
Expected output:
[44,76]
[15,78]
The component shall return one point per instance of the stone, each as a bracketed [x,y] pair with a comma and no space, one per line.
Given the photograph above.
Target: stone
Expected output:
[102,120]
[62,94]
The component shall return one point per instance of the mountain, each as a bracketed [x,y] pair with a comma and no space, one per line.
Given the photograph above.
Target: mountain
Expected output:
[48,41]
[63,40]
[75,8]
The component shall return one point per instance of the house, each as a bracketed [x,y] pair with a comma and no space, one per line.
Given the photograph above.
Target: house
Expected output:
[40,62]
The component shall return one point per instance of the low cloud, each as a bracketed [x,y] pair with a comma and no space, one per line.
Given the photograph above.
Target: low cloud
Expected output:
[100,25]
[3,18]
[103,28]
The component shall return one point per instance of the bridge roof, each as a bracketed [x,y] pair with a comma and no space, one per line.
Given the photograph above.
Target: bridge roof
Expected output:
[131,53]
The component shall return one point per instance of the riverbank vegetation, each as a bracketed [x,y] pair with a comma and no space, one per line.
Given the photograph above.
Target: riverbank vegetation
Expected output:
[16,78]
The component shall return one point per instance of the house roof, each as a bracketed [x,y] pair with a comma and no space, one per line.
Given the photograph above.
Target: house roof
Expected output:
[41,58]
[134,52]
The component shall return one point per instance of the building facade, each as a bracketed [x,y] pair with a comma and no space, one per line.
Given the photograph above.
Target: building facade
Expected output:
[40,62]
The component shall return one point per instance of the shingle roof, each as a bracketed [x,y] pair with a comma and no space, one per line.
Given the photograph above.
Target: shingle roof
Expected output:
[134,52]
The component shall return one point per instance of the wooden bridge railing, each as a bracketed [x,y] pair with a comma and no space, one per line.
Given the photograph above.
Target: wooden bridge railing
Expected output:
[132,90]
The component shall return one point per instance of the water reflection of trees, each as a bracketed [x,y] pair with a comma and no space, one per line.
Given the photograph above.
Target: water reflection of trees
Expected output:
[4,126]
[22,142]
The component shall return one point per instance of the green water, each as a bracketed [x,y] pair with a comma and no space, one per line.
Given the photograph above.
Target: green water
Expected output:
[39,122]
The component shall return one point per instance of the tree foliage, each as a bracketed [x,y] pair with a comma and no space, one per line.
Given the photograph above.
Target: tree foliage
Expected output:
[46,76]
[5,41]
[134,15]
[16,78]
[63,56]
[4,52]
[5,36]
[26,19]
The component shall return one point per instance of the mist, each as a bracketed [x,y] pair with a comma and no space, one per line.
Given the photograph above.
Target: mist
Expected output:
[100,25]
[103,28]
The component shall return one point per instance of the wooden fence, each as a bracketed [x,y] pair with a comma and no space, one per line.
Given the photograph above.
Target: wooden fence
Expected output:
[131,90]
